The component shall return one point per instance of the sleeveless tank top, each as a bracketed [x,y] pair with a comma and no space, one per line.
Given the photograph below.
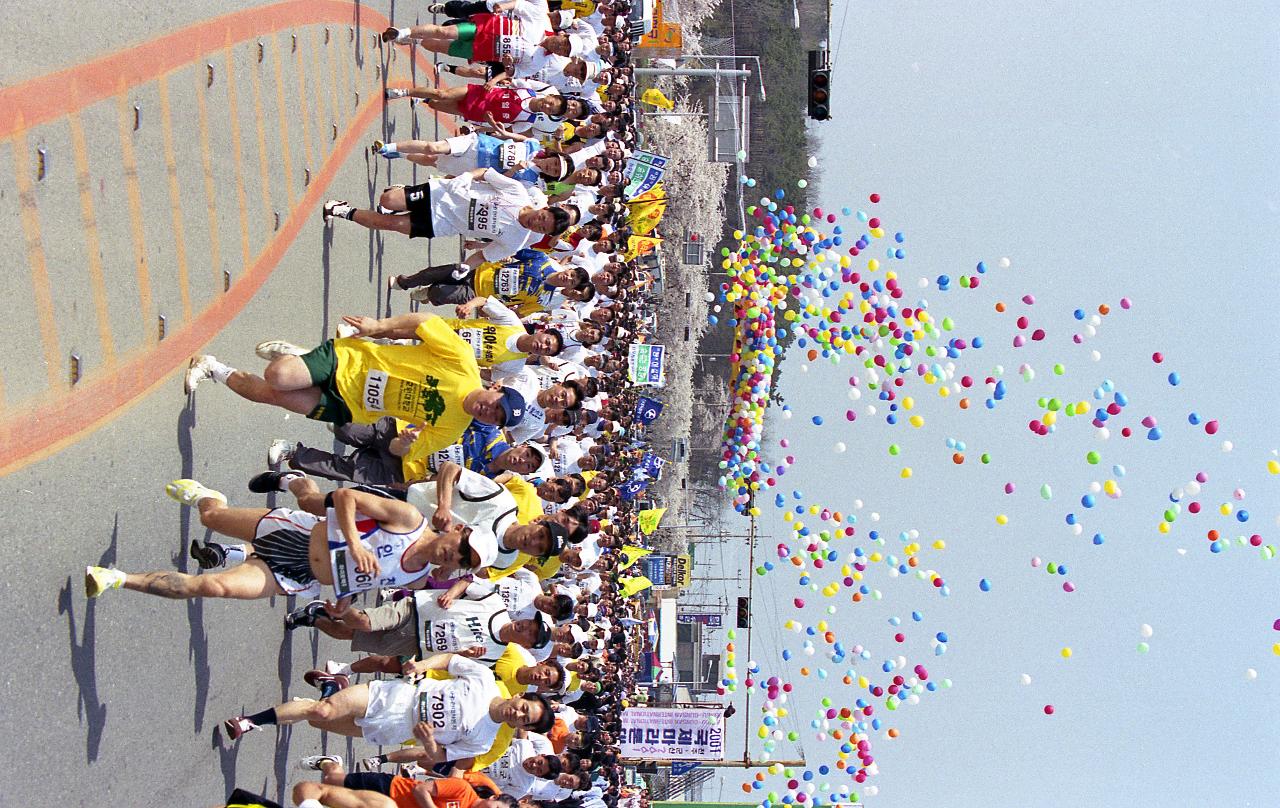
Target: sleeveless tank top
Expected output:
[388,547]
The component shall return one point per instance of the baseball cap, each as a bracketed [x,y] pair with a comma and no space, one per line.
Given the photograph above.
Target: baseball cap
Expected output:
[512,406]
[544,631]
[558,536]
[545,470]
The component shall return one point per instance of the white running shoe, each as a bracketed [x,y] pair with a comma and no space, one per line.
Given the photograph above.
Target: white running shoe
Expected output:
[336,209]
[370,764]
[199,369]
[279,452]
[345,331]
[190,492]
[276,348]
[99,579]
[316,762]
[332,667]
[435,8]
[400,36]
[395,92]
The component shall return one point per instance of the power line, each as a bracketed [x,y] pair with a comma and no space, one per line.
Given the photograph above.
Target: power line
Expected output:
[840,35]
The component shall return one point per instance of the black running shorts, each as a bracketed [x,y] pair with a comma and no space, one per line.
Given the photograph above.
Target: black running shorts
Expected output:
[418,200]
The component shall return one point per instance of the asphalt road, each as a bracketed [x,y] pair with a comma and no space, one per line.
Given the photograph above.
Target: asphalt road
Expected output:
[118,701]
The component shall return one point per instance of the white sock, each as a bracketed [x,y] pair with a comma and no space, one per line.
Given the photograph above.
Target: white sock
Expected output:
[403,33]
[389,147]
[220,371]
[290,476]
[310,804]
[236,553]
[335,668]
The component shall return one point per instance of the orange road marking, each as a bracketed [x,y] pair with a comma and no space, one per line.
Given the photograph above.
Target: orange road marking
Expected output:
[30,214]
[323,137]
[264,164]
[302,104]
[134,195]
[233,113]
[36,430]
[211,199]
[92,246]
[282,112]
[175,198]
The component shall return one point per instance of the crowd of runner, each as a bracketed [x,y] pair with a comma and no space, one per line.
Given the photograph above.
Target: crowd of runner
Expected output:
[472,552]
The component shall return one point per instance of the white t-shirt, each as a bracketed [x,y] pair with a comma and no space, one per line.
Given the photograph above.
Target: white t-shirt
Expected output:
[517,591]
[508,771]
[457,710]
[487,507]
[569,451]
[485,209]
[463,625]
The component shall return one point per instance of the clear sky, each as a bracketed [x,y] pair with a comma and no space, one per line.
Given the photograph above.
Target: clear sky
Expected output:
[1108,150]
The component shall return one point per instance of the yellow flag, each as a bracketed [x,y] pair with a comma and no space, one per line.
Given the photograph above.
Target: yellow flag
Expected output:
[639,245]
[654,96]
[631,554]
[633,585]
[649,519]
[645,211]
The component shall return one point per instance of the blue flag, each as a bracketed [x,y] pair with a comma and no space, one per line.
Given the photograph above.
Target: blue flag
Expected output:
[632,489]
[647,410]
[651,465]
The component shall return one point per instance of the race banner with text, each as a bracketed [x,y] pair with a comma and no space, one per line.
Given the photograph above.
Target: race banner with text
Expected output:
[667,733]
[645,363]
[643,170]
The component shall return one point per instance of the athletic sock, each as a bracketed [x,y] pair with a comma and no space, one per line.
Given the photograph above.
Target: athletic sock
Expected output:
[310,804]
[263,718]
[220,371]
[236,553]
[336,668]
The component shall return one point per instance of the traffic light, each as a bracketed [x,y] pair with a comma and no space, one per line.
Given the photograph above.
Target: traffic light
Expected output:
[819,86]
[744,613]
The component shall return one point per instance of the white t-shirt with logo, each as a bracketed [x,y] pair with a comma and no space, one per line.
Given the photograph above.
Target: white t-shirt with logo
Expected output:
[485,209]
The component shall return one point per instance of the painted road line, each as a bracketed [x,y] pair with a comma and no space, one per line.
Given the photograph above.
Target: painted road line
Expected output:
[175,198]
[134,195]
[283,115]
[233,114]
[30,214]
[92,244]
[206,163]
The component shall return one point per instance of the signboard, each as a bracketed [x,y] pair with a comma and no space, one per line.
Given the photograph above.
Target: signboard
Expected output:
[657,569]
[643,170]
[645,363]
[665,39]
[683,570]
[672,733]
[708,619]
[678,768]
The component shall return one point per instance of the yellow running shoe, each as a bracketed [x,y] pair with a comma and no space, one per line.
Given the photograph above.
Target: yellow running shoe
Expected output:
[99,579]
[190,492]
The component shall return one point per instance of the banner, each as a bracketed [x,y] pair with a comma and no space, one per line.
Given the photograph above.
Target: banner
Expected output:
[632,489]
[643,170]
[708,619]
[672,733]
[651,465]
[684,570]
[631,586]
[647,410]
[648,520]
[645,363]
[631,554]
[657,568]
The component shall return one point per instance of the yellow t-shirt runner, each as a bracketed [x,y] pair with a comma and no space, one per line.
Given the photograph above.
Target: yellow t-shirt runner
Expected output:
[490,342]
[423,384]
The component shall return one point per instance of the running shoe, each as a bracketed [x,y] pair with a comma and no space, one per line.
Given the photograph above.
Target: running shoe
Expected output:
[269,481]
[275,348]
[279,452]
[422,294]
[305,616]
[396,35]
[393,283]
[412,771]
[435,8]
[330,682]
[392,93]
[316,762]
[379,148]
[209,555]
[370,764]
[190,492]
[199,369]
[346,331]
[237,727]
[99,579]
[336,209]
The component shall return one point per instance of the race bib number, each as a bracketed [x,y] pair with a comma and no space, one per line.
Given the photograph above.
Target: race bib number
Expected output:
[475,338]
[509,154]
[482,218]
[506,281]
[375,389]
[449,454]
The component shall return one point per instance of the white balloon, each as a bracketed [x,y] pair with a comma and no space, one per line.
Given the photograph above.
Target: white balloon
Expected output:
[1025,678]
[1146,630]
[1251,674]
[840,447]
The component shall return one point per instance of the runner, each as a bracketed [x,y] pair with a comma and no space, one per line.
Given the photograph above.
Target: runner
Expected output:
[338,789]
[365,541]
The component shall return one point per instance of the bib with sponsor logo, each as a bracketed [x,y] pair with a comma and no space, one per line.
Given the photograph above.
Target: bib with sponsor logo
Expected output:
[449,454]
[389,548]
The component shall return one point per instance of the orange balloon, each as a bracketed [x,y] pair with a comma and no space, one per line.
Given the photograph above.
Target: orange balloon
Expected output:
[746,789]
[804,671]
[728,647]
[964,403]
[1000,307]
[893,733]
[957,458]
[1104,309]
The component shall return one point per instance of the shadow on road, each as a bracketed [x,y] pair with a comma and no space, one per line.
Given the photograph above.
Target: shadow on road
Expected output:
[227,751]
[84,661]
[284,734]
[198,638]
